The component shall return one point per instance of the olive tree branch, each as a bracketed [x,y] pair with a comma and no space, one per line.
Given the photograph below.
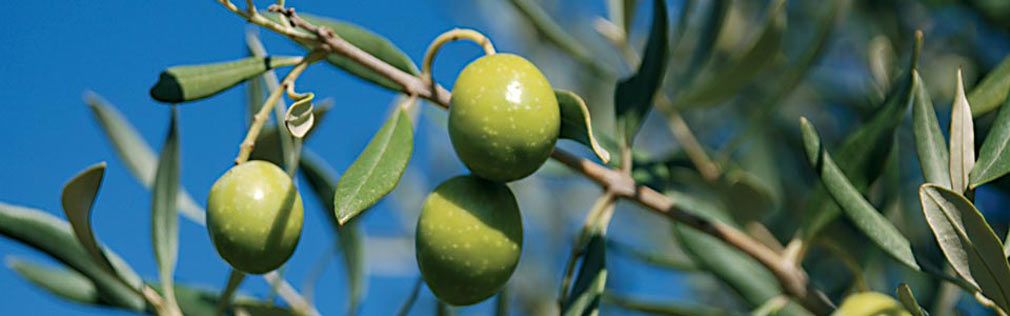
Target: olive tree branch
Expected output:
[791,277]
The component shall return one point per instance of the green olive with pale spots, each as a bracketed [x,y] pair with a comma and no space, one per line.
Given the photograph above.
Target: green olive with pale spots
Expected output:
[503,117]
[254,216]
[468,240]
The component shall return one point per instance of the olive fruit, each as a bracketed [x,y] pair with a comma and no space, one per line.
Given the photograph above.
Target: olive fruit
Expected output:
[503,117]
[871,303]
[469,238]
[254,216]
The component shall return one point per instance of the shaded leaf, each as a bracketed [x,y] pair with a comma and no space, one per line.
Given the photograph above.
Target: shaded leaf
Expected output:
[730,78]
[929,140]
[135,152]
[633,97]
[666,308]
[584,298]
[367,41]
[994,156]
[164,216]
[962,140]
[991,90]
[377,170]
[853,204]
[78,198]
[56,238]
[907,299]
[968,241]
[576,123]
[558,36]
[708,35]
[64,283]
[193,82]
[299,118]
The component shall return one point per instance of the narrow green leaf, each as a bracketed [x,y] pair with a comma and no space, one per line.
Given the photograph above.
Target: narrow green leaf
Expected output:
[584,298]
[576,123]
[367,41]
[929,140]
[633,97]
[994,156]
[962,140]
[56,238]
[164,214]
[730,78]
[982,250]
[668,309]
[351,237]
[135,152]
[64,283]
[906,298]
[861,212]
[193,82]
[377,170]
[992,90]
[708,35]
[78,198]
[299,118]
[558,36]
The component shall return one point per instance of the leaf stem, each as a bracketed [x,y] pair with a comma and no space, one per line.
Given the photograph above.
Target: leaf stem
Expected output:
[235,279]
[452,36]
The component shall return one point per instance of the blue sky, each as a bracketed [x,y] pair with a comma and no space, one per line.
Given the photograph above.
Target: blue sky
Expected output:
[54,51]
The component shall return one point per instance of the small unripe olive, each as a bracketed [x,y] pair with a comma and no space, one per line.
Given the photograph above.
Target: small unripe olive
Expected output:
[254,216]
[871,303]
[503,117]
[469,238]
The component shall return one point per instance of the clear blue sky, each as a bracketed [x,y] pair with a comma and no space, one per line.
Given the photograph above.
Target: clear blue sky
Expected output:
[54,51]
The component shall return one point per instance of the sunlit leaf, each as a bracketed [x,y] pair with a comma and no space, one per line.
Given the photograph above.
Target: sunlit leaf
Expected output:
[866,218]
[135,152]
[64,283]
[269,145]
[633,97]
[576,123]
[992,90]
[584,298]
[56,238]
[994,156]
[929,140]
[164,216]
[907,299]
[967,241]
[962,140]
[299,118]
[377,170]
[194,82]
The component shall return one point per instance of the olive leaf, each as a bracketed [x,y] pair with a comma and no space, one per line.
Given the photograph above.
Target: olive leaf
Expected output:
[967,241]
[164,215]
[56,238]
[584,298]
[929,140]
[962,140]
[367,41]
[992,90]
[633,96]
[64,283]
[708,35]
[728,79]
[135,152]
[994,156]
[576,123]
[907,299]
[269,143]
[78,198]
[351,237]
[666,308]
[299,118]
[193,82]
[557,35]
[866,218]
[377,170]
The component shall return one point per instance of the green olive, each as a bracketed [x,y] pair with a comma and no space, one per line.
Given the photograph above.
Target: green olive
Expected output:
[469,238]
[503,117]
[254,216]
[871,303]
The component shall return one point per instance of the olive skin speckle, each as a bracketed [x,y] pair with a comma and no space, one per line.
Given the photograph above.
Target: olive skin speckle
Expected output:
[469,238]
[254,217]
[503,117]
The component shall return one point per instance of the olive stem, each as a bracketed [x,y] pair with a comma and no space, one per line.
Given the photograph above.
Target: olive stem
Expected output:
[405,308]
[235,279]
[261,117]
[451,36]
[791,277]
[280,109]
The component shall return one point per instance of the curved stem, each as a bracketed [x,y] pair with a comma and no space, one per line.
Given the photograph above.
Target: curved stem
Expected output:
[452,36]
[235,279]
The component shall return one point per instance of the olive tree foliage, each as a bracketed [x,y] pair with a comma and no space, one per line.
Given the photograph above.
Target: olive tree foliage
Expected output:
[764,178]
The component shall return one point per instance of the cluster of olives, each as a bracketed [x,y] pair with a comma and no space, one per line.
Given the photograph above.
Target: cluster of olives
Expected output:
[503,123]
